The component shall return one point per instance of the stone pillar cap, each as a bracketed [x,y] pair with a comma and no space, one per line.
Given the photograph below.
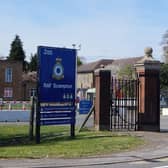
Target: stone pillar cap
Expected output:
[148,58]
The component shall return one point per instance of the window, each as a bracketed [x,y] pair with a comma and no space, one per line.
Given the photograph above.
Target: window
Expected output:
[8,74]
[8,92]
[32,92]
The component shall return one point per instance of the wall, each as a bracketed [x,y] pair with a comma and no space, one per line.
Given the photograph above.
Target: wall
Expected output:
[85,80]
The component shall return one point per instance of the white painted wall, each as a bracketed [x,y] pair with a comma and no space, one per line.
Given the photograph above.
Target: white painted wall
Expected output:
[14,115]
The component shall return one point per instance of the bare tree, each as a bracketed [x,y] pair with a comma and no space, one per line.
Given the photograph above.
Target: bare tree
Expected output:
[164,44]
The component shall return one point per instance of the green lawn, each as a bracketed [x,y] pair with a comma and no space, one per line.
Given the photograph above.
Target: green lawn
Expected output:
[56,142]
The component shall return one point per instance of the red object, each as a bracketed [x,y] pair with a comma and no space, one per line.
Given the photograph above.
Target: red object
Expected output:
[119,93]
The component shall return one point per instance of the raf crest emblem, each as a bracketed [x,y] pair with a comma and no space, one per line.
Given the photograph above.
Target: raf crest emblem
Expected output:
[58,70]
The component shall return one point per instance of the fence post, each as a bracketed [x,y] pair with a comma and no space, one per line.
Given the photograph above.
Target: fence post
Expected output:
[102,101]
[148,70]
[31,124]
[37,121]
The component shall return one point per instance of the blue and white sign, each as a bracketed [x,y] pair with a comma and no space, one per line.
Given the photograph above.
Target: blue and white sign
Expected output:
[56,85]
[85,106]
[57,74]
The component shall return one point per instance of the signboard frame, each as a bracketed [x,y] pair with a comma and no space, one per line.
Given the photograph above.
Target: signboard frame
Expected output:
[56,88]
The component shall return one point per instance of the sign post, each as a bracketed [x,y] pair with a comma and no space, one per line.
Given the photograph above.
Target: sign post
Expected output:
[56,88]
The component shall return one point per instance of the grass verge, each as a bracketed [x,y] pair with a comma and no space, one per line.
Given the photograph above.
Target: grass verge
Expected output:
[56,142]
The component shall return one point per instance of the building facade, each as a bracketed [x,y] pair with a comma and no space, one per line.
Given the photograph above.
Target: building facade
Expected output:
[16,85]
[85,77]
[11,80]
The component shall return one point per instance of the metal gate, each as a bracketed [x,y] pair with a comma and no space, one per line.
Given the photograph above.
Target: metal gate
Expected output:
[124,104]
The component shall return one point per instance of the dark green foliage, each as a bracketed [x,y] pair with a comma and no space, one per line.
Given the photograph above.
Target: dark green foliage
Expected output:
[16,51]
[33,63]
[126,72]
[164,77]
[26,66]
[79,62]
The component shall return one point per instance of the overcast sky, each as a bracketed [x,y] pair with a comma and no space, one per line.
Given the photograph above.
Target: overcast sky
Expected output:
[104,28]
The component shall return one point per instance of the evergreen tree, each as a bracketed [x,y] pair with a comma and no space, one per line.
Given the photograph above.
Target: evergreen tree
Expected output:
[164,77]
[79,61]
[16,51]
[33,63]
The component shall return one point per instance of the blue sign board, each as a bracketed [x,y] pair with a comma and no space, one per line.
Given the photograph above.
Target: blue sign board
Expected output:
[57,74]
[56,85]
[85,106]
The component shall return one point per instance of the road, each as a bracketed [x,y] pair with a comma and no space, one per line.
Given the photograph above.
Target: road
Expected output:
[56,163]
[164,123]
[158,163]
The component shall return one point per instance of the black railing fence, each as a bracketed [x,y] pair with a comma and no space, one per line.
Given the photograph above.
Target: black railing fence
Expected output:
[124,104]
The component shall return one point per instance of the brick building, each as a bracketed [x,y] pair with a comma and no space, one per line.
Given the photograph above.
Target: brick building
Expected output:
[15,85]
[11,80]
[18,85]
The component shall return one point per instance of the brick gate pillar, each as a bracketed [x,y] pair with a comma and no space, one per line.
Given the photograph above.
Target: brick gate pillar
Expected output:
[102,101]
[148,71]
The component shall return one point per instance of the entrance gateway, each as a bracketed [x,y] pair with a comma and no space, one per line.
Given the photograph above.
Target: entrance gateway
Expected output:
[129,104]
[56,88]
[124,104]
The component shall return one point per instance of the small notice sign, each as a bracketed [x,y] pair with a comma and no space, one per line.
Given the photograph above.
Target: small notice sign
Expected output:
[85,106]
